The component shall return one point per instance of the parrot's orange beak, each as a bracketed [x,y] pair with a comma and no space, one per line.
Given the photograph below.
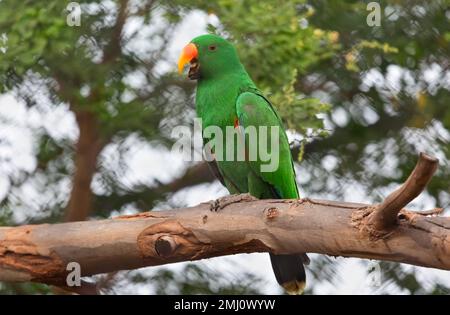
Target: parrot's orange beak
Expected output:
[188,54]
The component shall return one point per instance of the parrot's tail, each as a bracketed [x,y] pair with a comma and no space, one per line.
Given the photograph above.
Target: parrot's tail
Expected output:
[290,272]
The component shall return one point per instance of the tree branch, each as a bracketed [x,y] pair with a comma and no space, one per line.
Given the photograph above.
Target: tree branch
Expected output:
[114,48]
[385,215]
[41,252]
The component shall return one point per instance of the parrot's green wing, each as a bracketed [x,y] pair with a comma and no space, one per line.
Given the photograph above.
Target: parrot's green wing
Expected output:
[254,110]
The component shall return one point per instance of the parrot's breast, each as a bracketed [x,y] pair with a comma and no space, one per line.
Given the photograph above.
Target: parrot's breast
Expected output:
[216,106]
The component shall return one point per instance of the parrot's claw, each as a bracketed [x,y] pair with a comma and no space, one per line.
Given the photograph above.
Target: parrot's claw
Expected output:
[220,203]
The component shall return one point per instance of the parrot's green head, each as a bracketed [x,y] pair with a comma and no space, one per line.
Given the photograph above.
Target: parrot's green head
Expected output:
[209,56]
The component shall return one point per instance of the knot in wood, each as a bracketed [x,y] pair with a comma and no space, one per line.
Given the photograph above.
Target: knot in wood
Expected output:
[165,246]
[271,213]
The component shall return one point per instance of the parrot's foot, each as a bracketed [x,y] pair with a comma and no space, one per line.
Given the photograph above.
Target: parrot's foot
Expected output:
[222,202]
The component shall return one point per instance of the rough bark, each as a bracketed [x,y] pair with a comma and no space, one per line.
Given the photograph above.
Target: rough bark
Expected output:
[241,225]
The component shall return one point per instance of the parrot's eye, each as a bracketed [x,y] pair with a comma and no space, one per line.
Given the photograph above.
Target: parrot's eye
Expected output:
[212,47]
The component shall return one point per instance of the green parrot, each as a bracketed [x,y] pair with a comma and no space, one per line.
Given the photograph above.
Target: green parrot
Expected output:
[227,98]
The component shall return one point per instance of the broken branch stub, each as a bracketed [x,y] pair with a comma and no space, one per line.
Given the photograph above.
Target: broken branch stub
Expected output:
[384,216]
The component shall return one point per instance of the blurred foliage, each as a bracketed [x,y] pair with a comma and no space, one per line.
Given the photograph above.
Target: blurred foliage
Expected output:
[193,279]
[384,93]
[408,280]
[24,288]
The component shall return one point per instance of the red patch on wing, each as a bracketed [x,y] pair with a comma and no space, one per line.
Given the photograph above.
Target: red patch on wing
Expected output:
[236,122]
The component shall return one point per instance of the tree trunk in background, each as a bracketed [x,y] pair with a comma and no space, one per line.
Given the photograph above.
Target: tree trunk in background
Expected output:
[90,142]
[88,148]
